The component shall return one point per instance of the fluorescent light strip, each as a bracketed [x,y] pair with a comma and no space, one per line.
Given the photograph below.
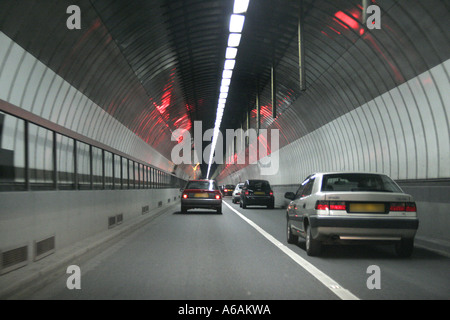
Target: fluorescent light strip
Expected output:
[229,64]
[236,26]
[234,39]
[231,53]
[236,23]
[240,6]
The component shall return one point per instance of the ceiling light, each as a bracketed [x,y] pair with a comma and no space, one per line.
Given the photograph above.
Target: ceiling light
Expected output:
[231,53]
[223,101]
[240,6]
[224,89]
[226,82]
[229,64]
[236,23]
[223,95]
[227,74]
[234,39]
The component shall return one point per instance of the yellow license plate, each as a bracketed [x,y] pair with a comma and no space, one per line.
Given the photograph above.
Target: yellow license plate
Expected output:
[260,193]
[367,207]
[201,195]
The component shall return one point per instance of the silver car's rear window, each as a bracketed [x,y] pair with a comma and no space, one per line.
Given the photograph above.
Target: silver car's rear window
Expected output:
[354,182]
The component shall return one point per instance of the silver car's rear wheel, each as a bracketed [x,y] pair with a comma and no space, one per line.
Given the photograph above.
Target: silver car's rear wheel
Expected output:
[291,238]
[404,248]
[313,247]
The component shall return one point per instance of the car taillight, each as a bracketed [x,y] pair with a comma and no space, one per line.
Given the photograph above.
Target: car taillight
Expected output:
[246,193]
[271,193]
[337,205]
[217,196]
[331,205]
[226,190]
[185,195]
[397,206]
[402,206]
[411,207]
[322,205]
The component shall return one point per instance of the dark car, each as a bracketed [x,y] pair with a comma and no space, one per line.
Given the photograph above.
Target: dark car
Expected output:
[202,194]
[257,192]
[228,190]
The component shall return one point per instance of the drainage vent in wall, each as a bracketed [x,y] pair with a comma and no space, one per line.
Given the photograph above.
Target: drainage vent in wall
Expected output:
[160,204]
[44,247]
[13,259]
[119,218]
[111,222]
[145,209]
[168,200]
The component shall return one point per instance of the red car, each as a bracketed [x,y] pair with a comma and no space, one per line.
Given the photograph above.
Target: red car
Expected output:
[202,194]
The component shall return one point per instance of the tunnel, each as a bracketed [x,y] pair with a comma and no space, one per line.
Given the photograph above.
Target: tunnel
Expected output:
[109,107]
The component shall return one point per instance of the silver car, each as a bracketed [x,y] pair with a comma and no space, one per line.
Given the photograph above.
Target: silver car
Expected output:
[344,207]
[236,197]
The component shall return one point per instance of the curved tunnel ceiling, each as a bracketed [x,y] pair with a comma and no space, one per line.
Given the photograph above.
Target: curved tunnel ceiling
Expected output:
[155,66]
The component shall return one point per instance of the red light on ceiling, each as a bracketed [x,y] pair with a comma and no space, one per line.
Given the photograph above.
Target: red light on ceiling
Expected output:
[349,21]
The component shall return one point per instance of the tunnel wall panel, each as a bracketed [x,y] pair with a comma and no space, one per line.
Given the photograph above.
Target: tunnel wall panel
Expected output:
[403,133]
[71,216]
[29,84]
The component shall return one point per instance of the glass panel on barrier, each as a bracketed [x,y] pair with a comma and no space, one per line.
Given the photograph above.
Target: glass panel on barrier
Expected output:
[12,153]
[83,166]
[40,144]
[65,162]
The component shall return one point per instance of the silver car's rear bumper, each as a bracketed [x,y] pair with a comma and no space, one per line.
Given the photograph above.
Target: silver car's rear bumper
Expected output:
[362,228]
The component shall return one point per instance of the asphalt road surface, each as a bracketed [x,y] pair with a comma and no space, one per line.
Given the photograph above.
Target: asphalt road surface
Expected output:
[243,254]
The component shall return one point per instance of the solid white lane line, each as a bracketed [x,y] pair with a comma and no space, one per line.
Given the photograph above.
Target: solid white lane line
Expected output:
[336,288]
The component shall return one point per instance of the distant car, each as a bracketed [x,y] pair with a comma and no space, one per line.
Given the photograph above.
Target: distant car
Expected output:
[201,194]
[237,193]
[345,207]
[228,190]
[257,192]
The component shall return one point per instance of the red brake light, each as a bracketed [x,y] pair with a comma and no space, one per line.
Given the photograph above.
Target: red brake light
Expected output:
[217,196]
[226,190]
[185,195]
[271,192]
[246,193]
[402,206]
[411,207]
[322,205]
[397,206]
[331,205]
[337,205]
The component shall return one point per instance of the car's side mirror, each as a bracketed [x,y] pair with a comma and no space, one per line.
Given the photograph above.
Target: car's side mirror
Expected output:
[289,195]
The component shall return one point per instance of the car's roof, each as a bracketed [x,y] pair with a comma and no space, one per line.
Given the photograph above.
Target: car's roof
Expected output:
[347,172]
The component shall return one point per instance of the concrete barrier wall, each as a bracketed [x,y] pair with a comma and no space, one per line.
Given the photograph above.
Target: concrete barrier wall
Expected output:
[71,216]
